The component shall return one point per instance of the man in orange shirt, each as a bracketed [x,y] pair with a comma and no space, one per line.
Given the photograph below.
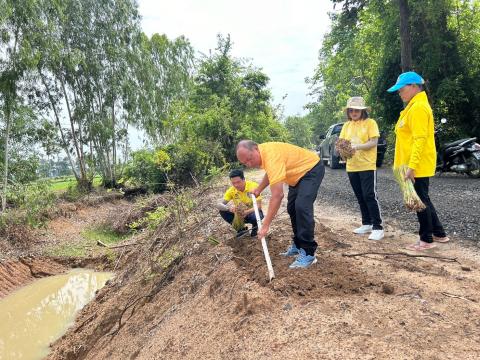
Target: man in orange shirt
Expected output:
[303,171]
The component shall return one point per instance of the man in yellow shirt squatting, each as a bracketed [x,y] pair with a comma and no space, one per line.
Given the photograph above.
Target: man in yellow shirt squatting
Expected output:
[236,195]
[303,171]
[415,148]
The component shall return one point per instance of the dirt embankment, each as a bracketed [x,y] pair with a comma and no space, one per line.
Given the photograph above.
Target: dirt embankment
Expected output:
[22,262]
[182,295]
[16,273]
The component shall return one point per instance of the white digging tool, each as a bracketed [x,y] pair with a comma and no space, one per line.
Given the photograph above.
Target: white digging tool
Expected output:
[271,274]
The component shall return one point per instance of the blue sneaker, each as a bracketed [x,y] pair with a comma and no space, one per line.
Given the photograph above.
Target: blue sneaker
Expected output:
[291,251]
[303,260]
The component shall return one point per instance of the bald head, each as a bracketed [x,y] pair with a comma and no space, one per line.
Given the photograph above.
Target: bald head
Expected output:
[248,154]
[247,144]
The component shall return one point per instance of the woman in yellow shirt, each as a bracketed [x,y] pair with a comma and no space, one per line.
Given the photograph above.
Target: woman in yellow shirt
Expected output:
[415,148]
[361,167]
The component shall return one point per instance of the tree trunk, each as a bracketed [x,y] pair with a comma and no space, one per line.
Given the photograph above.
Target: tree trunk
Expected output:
[81,162]
[405,42]
[5,163]
[114,147]
[59,125]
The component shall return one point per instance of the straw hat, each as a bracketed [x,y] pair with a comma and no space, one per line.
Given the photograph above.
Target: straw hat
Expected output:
[356,102]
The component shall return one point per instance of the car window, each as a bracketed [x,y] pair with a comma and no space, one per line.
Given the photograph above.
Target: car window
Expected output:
[337,129]
[329,131]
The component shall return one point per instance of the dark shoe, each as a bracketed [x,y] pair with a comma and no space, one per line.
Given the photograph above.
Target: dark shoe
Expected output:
[254,232]
[241,233]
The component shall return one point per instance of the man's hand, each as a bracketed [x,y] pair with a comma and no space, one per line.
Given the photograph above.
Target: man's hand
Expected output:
[410,174]
[256,192]
[232,208]
[263,231]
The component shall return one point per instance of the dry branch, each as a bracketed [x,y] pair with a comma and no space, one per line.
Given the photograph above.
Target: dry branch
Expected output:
[123,245]
[457,296]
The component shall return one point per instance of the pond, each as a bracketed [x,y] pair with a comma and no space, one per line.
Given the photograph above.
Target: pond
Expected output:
[36,315]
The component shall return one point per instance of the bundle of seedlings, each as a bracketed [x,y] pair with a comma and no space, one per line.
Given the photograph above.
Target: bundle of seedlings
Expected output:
[344,148]
[238,220]
[410,197]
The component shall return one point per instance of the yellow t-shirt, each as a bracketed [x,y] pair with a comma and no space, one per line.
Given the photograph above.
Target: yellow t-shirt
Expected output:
[286,162]
[415,141]
[241,196]
[359,132]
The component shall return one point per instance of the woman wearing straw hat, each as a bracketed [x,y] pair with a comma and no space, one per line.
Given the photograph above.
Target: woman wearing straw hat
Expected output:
[363,134]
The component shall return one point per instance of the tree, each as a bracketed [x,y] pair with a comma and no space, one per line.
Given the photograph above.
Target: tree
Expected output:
[16,22]
[300,130]
[406,46]
[234,95]
[369,46]
[161,81]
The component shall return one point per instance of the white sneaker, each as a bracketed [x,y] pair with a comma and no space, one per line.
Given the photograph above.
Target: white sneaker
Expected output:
[376,235]
[364,229]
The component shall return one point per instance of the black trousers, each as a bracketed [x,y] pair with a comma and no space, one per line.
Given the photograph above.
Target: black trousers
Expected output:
[364,185]
[249,219]
[428,218]
[300,208]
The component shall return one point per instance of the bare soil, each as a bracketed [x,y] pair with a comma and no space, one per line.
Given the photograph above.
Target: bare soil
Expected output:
[192,291]
[15,273]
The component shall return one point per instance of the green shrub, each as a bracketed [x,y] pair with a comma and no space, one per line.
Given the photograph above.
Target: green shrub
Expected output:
[148,169]
[33,200]
[151,220]
[192,160]
[73,192]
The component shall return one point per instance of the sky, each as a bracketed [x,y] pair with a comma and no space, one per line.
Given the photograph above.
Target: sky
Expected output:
[282,37]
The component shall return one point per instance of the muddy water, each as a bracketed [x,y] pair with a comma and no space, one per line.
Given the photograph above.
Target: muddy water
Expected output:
[37,314]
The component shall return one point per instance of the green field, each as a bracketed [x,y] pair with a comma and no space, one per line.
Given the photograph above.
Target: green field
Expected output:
[63,183]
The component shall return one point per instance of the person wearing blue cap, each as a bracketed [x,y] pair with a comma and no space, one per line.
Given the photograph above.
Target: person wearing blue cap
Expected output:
[415,148]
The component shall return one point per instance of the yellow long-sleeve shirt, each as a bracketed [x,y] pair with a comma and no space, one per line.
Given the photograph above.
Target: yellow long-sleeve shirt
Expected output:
[415,142]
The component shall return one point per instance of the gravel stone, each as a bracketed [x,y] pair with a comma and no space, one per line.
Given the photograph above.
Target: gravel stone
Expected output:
[455,197]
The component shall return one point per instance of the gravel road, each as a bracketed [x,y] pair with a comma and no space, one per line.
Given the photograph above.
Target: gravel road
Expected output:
[455,197]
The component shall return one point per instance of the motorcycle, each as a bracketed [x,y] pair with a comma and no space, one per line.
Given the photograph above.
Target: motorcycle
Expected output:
[461,156]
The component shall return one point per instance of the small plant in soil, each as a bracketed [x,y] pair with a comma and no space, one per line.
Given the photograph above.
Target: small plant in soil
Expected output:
[168,257]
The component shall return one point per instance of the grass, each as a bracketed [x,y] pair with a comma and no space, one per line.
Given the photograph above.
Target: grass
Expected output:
[63,183]
[77,250]
[104,234]
[88,245]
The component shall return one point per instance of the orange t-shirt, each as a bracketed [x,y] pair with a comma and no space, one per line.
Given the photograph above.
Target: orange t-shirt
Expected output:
[286,162]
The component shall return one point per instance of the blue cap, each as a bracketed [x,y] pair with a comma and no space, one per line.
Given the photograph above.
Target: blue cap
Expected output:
[407,78]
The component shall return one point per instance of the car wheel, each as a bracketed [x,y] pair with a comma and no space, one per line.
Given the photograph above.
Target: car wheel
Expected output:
[334,161]
[380,158]
[324,162]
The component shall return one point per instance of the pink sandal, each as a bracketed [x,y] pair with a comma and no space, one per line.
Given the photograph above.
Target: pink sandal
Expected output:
[420,246]
[444,239]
